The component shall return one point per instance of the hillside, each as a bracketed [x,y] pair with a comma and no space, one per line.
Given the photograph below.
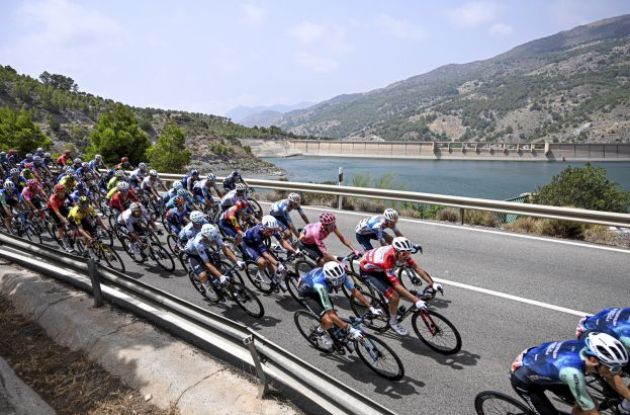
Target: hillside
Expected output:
[569,87]
[67,115]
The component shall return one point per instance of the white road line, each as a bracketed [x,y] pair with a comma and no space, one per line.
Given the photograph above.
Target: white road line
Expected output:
[465,228]
[514,298]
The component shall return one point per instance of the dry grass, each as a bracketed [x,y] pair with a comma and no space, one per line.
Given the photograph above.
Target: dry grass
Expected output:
[448,215]
[67,380]
[560,228]
[600,235]
[524,224]
[481,218]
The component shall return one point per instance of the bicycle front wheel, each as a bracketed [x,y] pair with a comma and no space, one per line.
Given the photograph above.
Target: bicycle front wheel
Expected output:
[307,324]
[380,358]
[261,280]
[162,257]
[247,300]
[496,403]
[292,285]
[378,323]
[436,332]
[111,257]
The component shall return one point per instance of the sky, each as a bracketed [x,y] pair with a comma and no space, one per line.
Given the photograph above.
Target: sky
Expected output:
[211,56]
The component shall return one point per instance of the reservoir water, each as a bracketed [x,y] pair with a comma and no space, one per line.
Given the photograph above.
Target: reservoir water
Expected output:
[484,179]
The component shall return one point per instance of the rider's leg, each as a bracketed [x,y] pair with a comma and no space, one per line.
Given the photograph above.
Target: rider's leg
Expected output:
[534,396]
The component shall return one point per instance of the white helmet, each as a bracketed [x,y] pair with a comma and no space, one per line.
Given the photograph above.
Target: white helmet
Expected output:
[178,185]
[153,173]
[402,244]
[608,350]
[240,187]
[269,222]
[9,186]
[142,166]
[334,273]
[208,231]
[197,217]
[390,214]
[294,198]
[98,157]
[211,177]
[123,186]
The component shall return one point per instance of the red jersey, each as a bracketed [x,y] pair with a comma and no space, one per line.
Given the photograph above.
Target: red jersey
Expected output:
[62,160]
[120,203]
[56,204]
[383,259]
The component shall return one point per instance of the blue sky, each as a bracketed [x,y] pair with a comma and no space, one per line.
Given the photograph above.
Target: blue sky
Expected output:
[210,56]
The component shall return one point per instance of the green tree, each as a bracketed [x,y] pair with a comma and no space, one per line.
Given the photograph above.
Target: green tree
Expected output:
[169,153]
[18,131]
[117,134]
[584,187]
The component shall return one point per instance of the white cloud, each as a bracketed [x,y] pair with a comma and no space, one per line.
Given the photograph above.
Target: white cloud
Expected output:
[308,32]
[319,64]
[501,29]
[472,14]
[252,14]
[400,28]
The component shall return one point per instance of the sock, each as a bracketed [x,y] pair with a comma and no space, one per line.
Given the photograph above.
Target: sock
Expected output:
[625,404]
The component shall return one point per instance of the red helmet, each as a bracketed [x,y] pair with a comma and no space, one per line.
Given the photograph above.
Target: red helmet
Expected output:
[327,218]
[59,187]
[179,201]
[124,160]
[241,204]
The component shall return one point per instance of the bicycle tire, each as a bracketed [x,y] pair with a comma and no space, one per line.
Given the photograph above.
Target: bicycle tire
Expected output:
[183,259]
[380,323]
[262,283]
[171,240]
[485,402]
[255,207]
[292,285]
[372,350]
[302,267]
[247,300]
[358,283]
[306,323]
[430,335]
[409,279]
[126,244]
[106,236]
[161,257]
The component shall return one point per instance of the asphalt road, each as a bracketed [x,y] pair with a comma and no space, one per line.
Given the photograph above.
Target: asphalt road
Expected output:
[494,329]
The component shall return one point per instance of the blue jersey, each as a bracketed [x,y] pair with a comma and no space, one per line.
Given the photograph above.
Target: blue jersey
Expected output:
[254,236]
[373,226]
[558,363]
[613,321]
[314,282]
[189,232]
[282,208]
[176,216]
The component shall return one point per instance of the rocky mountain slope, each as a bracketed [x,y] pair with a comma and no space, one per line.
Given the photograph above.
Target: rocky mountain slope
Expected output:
[569,87]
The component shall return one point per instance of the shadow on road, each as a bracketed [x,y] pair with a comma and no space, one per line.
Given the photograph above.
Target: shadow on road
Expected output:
[456,361]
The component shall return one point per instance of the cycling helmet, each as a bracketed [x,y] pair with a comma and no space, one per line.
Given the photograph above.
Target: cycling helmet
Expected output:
[390,214]
[235,174]
[119,174]
[46,155]
[294,198]
[241,204]
[142,166]
[608,350]
[402,244]
[269,222]
[29,155]
[208,231]
[59,187]
[327,218]
[78,161]
[39,150]
[9,186]
[37,159]
[98,157]
[211,177]
[123,186]
[135,207]
[69,171]
[84,200]
[179,201]
[182,192]
[197,217]
[153,173]
[194,172]
[124,160]
[240,187]
[85,165]
[334,273]
[14,171]
[178,185]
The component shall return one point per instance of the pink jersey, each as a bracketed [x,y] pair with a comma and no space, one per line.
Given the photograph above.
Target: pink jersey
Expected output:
[28,194]
[315,233]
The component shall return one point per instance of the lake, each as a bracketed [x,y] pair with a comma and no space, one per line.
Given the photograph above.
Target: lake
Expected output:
[485,179]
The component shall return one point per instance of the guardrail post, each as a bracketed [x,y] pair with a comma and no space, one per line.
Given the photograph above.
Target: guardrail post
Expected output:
[262,389]
[339,183]
[462,212]
[96,283]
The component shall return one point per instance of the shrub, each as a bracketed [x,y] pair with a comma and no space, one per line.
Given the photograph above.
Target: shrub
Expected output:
[481,218]
[448,215]
[524,224]
[560,228]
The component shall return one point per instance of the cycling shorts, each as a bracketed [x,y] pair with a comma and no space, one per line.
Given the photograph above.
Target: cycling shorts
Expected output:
[364,240]
[380,281]
[312,250]
[254,251]
[227,228]
[62,210]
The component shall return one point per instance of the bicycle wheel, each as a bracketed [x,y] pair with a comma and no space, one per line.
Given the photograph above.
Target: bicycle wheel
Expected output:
[409,279]
[379,357]
[105,236]
[262,281]
[210,293]
[302,267]
[496,403]
[292,285]
[436,332]
[255,207]
[359,284]
[246,299]
[162,257]
[380,323]
[111,257]
[183,259]
[132,249]
[171,240]
[307,324]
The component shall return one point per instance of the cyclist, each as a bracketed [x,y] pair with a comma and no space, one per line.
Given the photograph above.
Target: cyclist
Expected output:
[33,196]
[229,183]
[280,210]
[176,217]
[316,286]
[560,367]
[379,267]
[9,198]
[202,191]
[230,220]
[58,209]
[27,159]
[172,192]
[238,193]
[134,219]
[124,164]
[68,181]
[97,164]
[18,180]
[121,199]
[313,235]
[83,217]
[64,159]
[137,175]
[119,176]
[81,189]
[149,184]
[374,228]
[255,248]
[182,193]
[201,263]
[189,180]
[197,220]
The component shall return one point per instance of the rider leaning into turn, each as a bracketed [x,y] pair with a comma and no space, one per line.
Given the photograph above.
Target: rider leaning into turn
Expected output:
[313,235]
[281,209]
[373,228]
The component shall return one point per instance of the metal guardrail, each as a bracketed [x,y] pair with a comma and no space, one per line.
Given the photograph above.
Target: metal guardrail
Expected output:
[252,349]
[524,209]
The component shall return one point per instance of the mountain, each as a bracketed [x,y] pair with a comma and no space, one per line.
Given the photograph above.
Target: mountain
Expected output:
[67,115]
[241,113]
[568,87]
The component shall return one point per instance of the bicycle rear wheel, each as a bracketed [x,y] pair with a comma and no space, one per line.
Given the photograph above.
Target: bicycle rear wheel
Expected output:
[307,324]
[496,403]
[409,279]
[292,285]
[262,281]
[255,207]
[436,332]
[247,300]
[379,357]
[162,257]
[379,323]
[171,240]
[111,257]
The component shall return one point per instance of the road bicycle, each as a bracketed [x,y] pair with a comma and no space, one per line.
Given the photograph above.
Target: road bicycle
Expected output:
[266,282]
[148,247]
[375,353]
[100,251]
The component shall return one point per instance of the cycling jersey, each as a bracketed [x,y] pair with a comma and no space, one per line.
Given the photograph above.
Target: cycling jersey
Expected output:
[129,220]
[112,183]
[199,245]
[189,232]
[137,175]
[19,182]
[95,165]
[78,215]
[315,233]
[373,226]
[280,210]
[556,363]
[56,204]
[229,183]
[314,282]
[29,195]
[614,321]
[118,201]
[148,184]
[231,217]
[63,160]
[171,203]
[229,199]
[254,242]
[76,195]
[383,260]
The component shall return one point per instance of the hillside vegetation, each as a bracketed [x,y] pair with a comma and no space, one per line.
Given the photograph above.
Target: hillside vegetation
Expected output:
[569,87]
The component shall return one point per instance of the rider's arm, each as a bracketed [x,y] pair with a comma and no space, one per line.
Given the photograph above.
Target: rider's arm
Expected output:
[616,382]
[302,214]
[343,240]
[422,273]
[574,379]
